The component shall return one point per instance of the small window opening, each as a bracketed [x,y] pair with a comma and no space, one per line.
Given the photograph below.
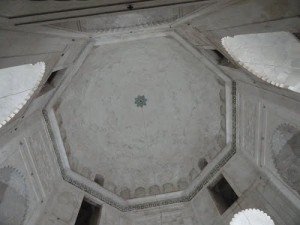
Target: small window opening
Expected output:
[222,60]
[297,35]
[99,179]
[89,213]
[51,77]
[219,58]
[223,194]
[52,81]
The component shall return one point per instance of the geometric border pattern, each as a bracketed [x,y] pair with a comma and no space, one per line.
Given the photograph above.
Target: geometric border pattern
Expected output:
[140,206]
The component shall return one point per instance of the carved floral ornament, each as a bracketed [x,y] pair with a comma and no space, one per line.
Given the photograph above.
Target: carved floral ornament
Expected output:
[251,217]
[140,101]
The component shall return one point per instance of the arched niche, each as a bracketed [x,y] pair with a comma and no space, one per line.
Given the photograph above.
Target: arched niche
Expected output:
[286,154]
[13,192]
[273,57]
[17,85]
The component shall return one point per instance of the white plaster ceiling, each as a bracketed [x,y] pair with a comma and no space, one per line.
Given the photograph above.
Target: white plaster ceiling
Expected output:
[134,148]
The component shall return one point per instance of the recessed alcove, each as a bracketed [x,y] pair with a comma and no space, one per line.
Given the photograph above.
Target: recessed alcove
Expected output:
[53,79]
[219,58]
[223,194]
[99,179]
[89,213]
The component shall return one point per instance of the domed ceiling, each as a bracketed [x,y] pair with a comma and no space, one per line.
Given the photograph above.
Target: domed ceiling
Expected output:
[145,116]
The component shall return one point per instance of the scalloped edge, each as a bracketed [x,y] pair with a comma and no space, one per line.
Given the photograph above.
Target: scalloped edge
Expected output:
[246,67]
[235,219]
[28,96]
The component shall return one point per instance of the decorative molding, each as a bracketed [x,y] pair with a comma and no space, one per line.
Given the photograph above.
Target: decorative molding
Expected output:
[92,11]
[163,23]
[133,206]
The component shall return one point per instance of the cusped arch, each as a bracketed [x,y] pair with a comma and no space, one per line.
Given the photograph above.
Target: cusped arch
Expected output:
[13,192]
[285,145]
[273,57]
[17,85]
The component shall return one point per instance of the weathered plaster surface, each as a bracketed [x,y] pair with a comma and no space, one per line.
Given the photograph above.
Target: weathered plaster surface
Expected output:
[184,118]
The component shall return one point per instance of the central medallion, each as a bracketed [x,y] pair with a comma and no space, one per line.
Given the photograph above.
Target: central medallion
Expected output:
[140,101]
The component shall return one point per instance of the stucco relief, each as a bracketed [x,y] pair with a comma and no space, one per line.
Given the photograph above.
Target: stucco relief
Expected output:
[285,144]
[13,196]
[42,162]
[122,22]
[249,126]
